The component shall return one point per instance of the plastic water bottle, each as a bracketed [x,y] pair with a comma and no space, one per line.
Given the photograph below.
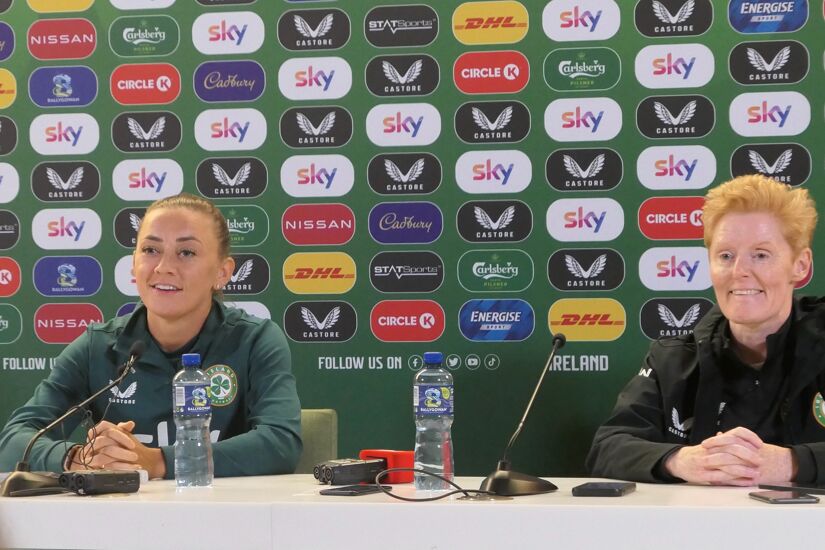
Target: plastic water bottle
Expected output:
[433,408]
[193,411]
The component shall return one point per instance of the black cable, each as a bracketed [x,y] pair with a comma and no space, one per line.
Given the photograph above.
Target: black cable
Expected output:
[458,490]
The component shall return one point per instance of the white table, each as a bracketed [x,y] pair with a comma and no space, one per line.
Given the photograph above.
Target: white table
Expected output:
[287,512]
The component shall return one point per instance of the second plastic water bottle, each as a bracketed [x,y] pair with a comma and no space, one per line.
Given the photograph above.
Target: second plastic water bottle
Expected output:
[193,411]
[433,408]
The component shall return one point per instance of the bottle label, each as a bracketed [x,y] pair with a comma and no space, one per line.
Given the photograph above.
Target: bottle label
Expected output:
[433,399]
[192,400]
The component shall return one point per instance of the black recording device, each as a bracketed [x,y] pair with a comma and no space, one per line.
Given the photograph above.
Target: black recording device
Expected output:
[346,471]
[100,482]
[505,482]
[22,481]
[604,489]
[354,490]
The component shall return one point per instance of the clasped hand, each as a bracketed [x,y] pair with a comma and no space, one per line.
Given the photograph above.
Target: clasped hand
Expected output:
[735,457]
[113,447]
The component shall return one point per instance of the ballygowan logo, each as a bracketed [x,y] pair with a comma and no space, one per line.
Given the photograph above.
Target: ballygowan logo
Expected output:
[780,62]
[127,224]
[666,317]
[146,132]
[586,269]
[659,18]
[9,229]
[68,276]
[492,122]
[789,163]
[65,181]
[251,275]
[8,135]
[406,271]
[63,86]
[683,116]
[404,173]
[320,321]
[494,221]
[584,169]
[402,75]
[307,30]
[316,127]
[399,26]
[220,178]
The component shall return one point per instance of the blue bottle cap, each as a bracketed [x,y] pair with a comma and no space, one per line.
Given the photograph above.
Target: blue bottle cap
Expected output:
[433,357]
[190,359]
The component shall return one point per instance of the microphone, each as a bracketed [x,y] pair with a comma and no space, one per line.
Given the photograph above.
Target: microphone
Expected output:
[505,482]
[23,482]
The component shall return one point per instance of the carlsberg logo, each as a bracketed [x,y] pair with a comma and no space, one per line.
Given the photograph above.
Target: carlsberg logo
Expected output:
[489,271]
[581,69]
[143,36]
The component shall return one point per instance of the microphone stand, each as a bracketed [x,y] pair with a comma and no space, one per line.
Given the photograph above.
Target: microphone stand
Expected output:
[505,482]
[22,481]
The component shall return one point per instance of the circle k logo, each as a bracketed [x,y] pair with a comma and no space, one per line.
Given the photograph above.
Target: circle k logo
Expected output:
[9,277]
[504,72]
[145,84]
[318,224]
[62,39]
[672,218]
[407,321]
[62,323]
[588,319]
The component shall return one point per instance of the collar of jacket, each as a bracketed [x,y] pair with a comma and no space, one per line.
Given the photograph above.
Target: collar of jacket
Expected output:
[136,328]
[809,336]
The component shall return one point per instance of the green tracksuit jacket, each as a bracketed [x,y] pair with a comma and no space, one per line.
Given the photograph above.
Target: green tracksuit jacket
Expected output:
[256,414]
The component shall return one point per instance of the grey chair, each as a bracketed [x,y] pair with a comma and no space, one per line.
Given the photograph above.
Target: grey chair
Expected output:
[319,432]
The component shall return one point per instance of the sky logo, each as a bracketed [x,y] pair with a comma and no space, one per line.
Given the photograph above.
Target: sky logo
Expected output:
[770,114]
[675,268]
[670,167]
[314,78]
[765,114]
[311,77]
[408,125]
[580,219]
[230,129]
[143,179]
[225,129]
[403,124]
[573,220]
[590,119]
[63,134]
[228,33]
[576,18]
[496,173]
[317,175]
[69,228]
[223,32]
[669,66]
[582,119]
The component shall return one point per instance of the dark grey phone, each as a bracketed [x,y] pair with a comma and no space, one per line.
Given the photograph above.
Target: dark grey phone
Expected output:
[809,488]
[604,489]
[354,490]
[784,497]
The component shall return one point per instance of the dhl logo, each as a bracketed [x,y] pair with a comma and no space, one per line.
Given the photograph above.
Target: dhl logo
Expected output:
[588,319]
[490,22]
[319,273]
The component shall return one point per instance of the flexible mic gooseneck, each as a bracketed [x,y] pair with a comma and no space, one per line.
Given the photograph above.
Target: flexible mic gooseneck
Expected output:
[506,482]
[24,482]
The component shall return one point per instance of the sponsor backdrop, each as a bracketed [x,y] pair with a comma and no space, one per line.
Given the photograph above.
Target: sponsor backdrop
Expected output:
[398,178]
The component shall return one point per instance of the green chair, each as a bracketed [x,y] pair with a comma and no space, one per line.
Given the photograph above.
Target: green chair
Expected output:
[319,431]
